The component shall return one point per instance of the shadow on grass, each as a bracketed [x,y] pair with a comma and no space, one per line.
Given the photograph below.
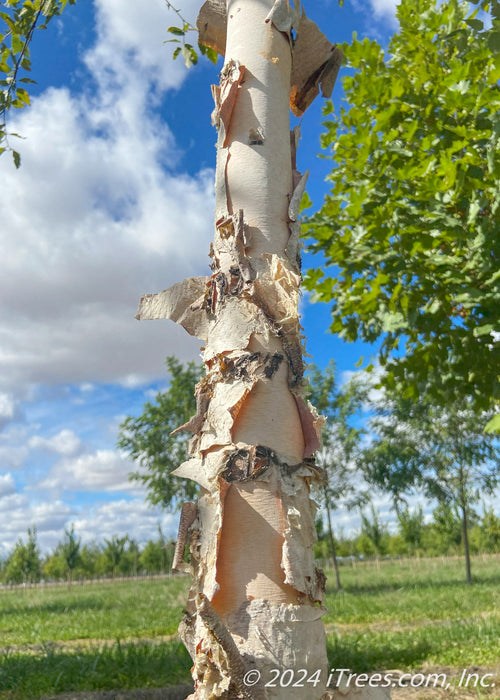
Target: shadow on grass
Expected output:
[365,653]
[28,677]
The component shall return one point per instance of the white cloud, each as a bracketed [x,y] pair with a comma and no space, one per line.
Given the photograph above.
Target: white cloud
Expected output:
[64,443]
[385,8]
[103,470]
[379,16]
[9,409]
[17,514]
[122,517]
[91,522]
[86,387]
[13,447]
[133,34]
[7,485]
[101,217]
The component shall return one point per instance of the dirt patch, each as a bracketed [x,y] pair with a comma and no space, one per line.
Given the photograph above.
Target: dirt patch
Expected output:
[177,692]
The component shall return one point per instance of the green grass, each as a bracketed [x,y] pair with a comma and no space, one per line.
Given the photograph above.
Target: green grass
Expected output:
[119,666]
[403,615]
[94,611]
[400,615]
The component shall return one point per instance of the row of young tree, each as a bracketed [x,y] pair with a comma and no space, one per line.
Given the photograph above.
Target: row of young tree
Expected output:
[373,440]
[71,560]
[117,556]
[414,536]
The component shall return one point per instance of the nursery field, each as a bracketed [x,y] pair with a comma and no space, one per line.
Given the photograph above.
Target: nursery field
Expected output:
[403,615]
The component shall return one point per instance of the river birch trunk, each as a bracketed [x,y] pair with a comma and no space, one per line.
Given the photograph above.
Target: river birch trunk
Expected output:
[256,599]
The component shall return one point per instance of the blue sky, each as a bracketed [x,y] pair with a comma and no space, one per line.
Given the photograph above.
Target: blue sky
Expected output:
[113,200]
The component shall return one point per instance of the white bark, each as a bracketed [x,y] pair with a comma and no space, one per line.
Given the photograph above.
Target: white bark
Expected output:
[256,596]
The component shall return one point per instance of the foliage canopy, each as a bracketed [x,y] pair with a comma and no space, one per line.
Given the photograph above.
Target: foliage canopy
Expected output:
[409,230]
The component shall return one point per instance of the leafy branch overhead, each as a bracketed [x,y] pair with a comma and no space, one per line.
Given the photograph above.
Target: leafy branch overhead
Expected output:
[19,22]
[187,50]
[409,230]
[19,19]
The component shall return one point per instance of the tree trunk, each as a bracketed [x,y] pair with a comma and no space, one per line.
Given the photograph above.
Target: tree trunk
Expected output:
[332,542]
[465,534]
[256,600]
[462,493]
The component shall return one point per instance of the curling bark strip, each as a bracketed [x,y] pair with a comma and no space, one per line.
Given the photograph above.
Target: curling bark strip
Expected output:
[256,599]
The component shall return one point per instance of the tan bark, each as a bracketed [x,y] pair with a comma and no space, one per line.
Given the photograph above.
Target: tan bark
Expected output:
[256,599]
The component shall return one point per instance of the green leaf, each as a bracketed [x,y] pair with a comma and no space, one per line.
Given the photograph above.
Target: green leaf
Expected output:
[17,43]
[17,158]
[494,42]
[22,95]
[483,330]
[475,23]
[493,426]
[190,56]
[176,30]
[393,322]
[211,54]
[475,171]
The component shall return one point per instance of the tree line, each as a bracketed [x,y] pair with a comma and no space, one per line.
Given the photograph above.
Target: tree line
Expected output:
[373,441]
[441,536]
[70,560]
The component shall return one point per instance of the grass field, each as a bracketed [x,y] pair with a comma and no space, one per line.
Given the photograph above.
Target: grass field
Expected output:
[401,615]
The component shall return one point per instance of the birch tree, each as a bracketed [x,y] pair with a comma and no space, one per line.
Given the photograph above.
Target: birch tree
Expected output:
[256,600]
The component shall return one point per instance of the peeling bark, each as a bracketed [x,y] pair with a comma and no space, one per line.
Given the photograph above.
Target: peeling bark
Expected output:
[212,25]
[316,63]
[188,516]
[256,599]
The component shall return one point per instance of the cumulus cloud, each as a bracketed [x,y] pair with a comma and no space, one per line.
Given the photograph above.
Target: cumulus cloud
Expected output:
[132,517]
[14,447]
[17,514]
[9,409]
[103,470]
[91,522]
[7,485]
[385,8]
[101,216]
[379,15]
[132,34]
[64,443]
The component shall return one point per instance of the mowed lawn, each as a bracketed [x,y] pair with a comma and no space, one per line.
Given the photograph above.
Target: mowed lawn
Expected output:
[398,615]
